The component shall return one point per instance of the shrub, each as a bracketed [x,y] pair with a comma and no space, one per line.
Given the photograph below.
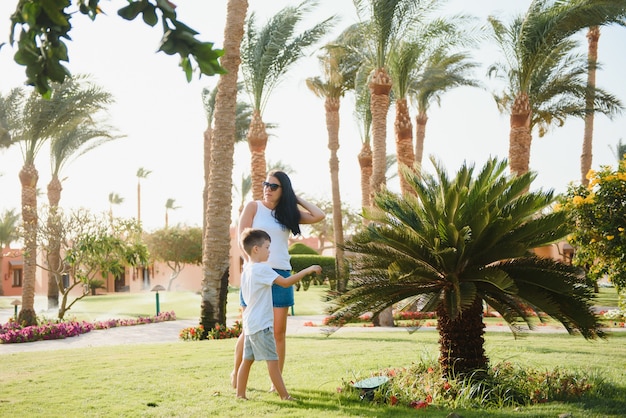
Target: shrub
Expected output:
[302,261]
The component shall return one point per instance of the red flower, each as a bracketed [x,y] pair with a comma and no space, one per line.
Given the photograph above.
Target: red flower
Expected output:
[393,400]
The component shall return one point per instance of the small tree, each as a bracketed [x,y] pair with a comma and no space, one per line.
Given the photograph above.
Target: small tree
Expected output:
[598,213]
[91,249]
[176,246]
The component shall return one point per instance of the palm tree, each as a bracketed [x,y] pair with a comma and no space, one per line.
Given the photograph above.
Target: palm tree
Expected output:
[363,114]
[459,242]
[242,122]
[78,137]
[114,199]
[387,23]
[544,77]
[142,173]
[339,74]
[216,236]
[31,122]
[444,71]
[267,54]
[169,205]
[593,36]
[8,233]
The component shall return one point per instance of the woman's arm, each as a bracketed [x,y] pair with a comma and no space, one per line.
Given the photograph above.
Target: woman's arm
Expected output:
[245,221]
[311,213]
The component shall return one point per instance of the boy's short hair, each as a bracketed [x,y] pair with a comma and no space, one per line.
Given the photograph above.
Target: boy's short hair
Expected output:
[251,237]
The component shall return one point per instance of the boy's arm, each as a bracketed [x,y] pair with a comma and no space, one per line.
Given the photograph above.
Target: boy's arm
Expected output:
[293,279]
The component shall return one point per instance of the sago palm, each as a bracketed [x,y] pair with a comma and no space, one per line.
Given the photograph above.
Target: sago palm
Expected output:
[545,79]
[459,242]
[267,53]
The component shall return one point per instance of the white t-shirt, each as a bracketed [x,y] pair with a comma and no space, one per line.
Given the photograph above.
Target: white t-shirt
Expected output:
[256,289]
[279,234]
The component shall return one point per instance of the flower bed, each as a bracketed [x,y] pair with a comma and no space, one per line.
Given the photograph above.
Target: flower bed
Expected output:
[12,332]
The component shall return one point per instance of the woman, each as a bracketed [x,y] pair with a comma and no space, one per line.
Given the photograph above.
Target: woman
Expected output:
[279,213]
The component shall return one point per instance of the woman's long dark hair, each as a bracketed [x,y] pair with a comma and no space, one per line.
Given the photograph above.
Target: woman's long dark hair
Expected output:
[286,211]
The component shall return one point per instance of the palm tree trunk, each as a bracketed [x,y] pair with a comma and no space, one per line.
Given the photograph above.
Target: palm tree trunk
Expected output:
[404,141]
[593,35]
[54,250]
[365,164]
[420,135]
[461,341]
[207,136]
[257,141]
[520,137]
[28,179]
[380,86]
[332,126]
[216,240]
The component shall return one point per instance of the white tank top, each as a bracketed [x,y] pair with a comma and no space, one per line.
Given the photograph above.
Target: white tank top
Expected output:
[279,247]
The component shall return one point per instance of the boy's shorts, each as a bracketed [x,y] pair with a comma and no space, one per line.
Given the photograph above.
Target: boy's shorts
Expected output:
[260,346]
[282,297]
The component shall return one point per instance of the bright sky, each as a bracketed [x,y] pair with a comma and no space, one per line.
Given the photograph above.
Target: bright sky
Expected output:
[163,117]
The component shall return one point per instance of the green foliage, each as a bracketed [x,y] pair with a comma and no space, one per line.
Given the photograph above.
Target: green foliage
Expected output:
[178,245]
[45,24]
[302,261]
[93,247]
[598,219]
[458,242]
[300,248]
[505,385]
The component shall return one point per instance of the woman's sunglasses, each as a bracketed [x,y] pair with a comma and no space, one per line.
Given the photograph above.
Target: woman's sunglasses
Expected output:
[273,186]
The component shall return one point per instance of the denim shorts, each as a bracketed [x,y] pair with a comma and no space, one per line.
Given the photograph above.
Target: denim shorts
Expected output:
[260,346]
[282,297]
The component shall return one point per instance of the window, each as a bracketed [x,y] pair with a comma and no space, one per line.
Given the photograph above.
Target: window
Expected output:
[17,278]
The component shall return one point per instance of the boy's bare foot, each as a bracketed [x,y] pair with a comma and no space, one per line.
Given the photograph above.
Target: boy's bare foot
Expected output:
[233,379]
[272,389]
[242,398]
[289,398]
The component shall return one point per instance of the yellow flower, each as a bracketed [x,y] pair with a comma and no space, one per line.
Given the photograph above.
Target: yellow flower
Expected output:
[557,207]
[620,229]
[592,241]
[577,200]
[590,174]
[610,237]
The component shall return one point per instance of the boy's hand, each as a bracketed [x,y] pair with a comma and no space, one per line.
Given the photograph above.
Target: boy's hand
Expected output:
[315,269]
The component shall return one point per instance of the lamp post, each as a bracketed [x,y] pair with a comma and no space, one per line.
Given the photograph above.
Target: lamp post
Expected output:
[16,303]
[156,289]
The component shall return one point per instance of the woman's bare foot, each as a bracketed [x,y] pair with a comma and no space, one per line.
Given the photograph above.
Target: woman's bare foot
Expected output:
[233,379]
[289,398]
[242,398]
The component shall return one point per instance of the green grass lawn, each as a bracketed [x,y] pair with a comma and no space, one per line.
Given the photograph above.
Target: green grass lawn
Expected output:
[191,379]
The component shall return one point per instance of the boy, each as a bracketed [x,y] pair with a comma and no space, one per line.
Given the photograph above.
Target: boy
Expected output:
[258,317]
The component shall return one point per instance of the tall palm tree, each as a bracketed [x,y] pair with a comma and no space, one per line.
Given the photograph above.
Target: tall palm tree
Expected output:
[387,22]
[544,77]
[31,122]
[114,199]
[78,137]
[142,173]
[242,123]
[339,74]
[169,205]
[443,72]
[363,114]
[8,233]
[216,236]
[267,54]
[586,157]
[459,242]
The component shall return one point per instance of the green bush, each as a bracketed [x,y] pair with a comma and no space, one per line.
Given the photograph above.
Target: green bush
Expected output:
[302,261]
[300,248]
